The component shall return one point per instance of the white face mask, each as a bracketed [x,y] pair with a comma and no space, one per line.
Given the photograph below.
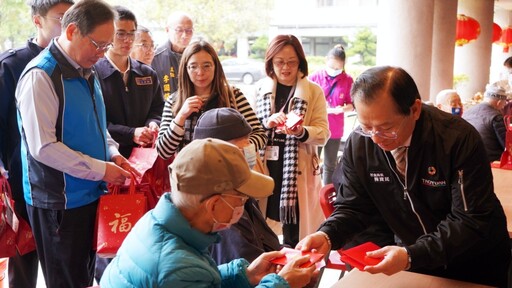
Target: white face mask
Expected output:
[250,155]
[237,214]
[333,72]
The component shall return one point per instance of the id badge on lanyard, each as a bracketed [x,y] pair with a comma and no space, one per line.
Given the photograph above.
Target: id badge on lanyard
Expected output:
[272,151]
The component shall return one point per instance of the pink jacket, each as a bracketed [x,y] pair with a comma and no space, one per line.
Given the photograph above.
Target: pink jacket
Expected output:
[335,96]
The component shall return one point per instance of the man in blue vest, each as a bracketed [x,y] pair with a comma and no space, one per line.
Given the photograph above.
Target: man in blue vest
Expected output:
[46,16]
[66,144]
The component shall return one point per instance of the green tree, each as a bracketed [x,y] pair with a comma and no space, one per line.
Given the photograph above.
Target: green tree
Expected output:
[215,20]
[259,47]
[365,46]
[16,23]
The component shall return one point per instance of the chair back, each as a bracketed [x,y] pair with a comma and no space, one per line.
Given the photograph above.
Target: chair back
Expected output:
[327,197]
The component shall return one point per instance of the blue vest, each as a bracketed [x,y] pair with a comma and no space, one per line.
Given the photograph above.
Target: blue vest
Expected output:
[80,125]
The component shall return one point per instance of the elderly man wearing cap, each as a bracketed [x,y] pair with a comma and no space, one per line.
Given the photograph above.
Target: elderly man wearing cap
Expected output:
[487,118]
[168,247]
[250,236]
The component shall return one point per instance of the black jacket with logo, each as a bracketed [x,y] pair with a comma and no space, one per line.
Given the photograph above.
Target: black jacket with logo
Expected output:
[129,106]
[448,217]
[166,64]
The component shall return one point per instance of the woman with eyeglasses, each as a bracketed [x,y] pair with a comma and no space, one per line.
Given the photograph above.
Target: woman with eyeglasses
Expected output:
[143,46]
[336,85]
[291,150]
[201,86]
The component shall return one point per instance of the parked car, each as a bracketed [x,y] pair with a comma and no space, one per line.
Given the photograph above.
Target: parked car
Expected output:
[247,71]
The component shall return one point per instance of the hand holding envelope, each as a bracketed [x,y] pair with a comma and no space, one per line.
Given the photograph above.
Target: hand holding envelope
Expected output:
[293,253]
[293,121]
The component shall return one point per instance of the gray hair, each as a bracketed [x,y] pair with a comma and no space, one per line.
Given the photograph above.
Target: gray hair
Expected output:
[496,90]
[186,200]
[443,96]
[176,17]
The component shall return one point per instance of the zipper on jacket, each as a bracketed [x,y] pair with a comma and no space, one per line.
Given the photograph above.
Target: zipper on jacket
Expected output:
[406,190]
[461,184]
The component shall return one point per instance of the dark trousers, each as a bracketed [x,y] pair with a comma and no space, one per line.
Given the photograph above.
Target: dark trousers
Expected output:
[64,240]
[291,235]
[23,269]
[291,231]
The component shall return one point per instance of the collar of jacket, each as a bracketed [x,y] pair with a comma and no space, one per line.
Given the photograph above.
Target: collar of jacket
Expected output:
[171,218]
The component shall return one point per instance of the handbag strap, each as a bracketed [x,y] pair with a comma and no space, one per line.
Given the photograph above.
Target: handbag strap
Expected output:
[132,188]
[6,188]
[133,183]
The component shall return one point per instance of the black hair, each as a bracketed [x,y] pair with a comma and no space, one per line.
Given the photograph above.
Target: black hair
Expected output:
[124,13]
[41,7]
[337,52]
[386,79]
[88,14]
[508,62]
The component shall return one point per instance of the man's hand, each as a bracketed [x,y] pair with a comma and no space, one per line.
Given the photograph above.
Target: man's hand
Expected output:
[296,276]
[143,136]
[262,266]
[154,128]
[115,174]
[316,241]
[4,173]
[120,161]
[291,272]
[395,260]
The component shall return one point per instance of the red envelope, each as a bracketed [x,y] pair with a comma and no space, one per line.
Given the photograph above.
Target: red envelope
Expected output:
[293,253]
[292,121]
[356,256]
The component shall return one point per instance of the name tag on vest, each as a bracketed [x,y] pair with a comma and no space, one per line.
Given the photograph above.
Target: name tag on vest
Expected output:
[144,80]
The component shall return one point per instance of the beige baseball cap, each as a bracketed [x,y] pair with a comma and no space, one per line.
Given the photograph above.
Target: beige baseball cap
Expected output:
[211,166]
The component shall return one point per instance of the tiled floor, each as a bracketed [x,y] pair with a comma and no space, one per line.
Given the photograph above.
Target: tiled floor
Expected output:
[40,280]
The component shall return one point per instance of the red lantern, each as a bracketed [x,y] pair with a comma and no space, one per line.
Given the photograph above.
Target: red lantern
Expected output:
[506,39]
[496,33]
[467,30]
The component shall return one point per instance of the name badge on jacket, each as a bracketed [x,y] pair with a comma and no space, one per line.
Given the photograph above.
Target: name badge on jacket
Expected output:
[144,80]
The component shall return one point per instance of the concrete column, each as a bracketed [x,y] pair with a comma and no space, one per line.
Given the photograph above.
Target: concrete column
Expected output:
[405,39]
[474,59]
[504,19]
[443,46]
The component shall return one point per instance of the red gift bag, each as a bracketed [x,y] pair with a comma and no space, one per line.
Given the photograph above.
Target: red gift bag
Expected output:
[506,157]
[15,232]
[117,214]
[154,172]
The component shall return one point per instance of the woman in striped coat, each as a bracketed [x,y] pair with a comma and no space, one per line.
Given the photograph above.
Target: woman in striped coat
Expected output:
[202,86]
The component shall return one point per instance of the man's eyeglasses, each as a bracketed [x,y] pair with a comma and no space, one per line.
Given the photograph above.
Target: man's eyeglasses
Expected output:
[281,63]
[187,31]
[54,18]
[241,197]
[121,35]
[194,68]
[146,47]
[381,134]
[100,48]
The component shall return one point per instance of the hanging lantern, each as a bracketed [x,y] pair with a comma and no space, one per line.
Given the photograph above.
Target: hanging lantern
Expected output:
[496,33]
[467,30]
[506,39]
